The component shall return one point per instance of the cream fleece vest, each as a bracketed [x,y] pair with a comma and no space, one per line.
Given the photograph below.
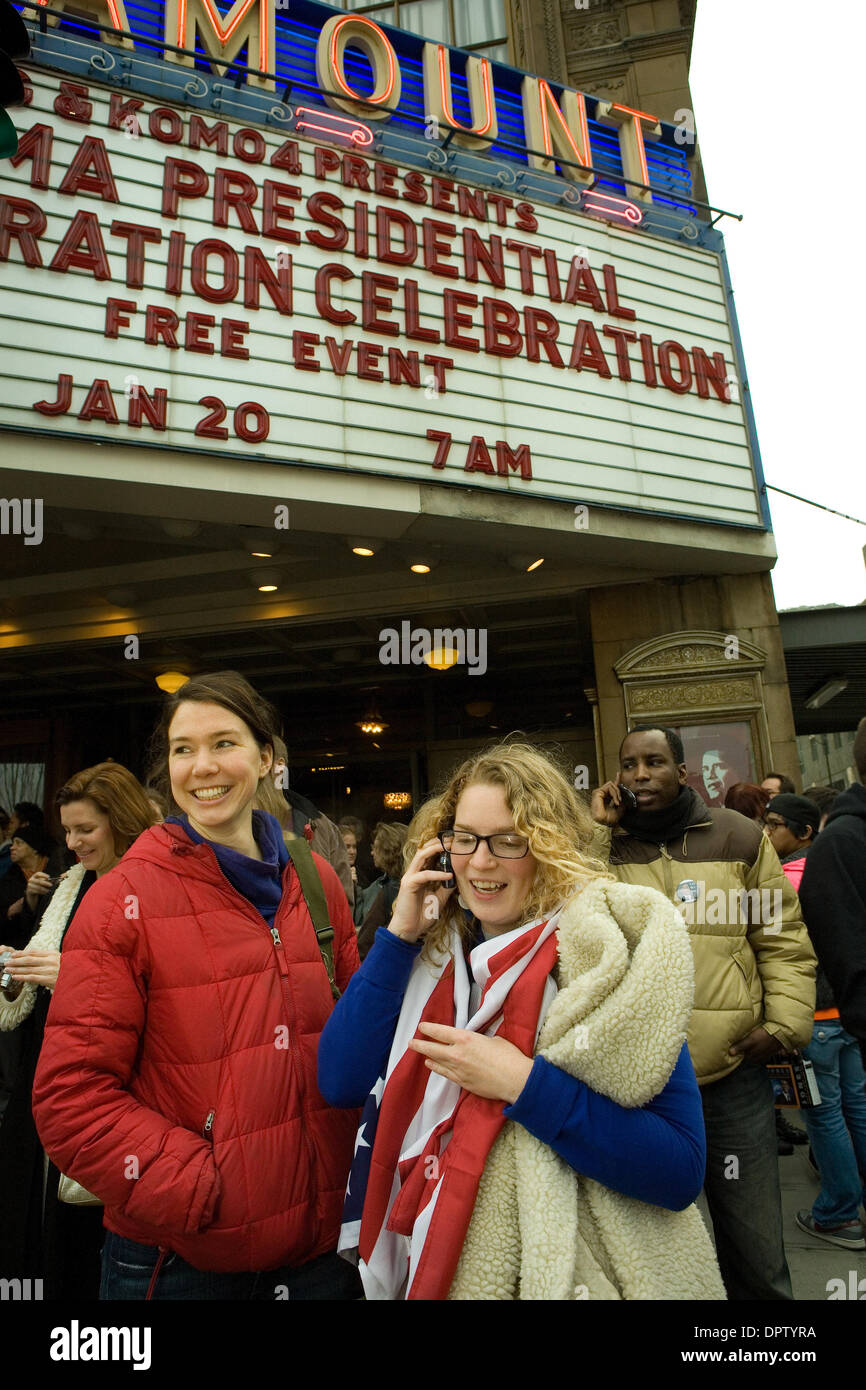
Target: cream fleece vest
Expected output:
[46,938]
[540,1230]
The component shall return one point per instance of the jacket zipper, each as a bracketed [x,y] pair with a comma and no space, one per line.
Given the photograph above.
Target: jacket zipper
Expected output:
[284,976]
[666,861]
[283,967]
[207,1132]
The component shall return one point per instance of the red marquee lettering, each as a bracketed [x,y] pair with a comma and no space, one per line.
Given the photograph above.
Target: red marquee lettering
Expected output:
[435,247]
[119,110]
[90,171]
[386,219]
[26,230]
[502,336]
[249,145]
[339,354]
[581,287]
[667,350]
[368,356]
[542,331]
[202,134]
[455,320]
[477,252]
[136,237]
[403,366]
[519,458]
[181,179]
[83,230]
[324,275]
[586,352]
[258,275]
[232,333]
[273,209]
[621,338]
[234,189]
[141,404]
[478,458]
[371,302]
[99,403]
[196,337]
[117,313]
[161,325]
[71,102]
[199,268]
[165,125]
[711,372]
[36,145]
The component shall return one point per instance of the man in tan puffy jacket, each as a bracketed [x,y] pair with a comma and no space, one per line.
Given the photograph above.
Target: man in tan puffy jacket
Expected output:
[754,985]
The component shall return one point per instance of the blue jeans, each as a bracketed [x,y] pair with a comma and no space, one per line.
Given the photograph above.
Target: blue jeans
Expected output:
[837,1127]
[742,1184]
[127,1268]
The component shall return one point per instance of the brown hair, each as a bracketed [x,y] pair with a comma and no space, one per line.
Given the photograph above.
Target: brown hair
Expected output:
[748,799]
[391,837]
[269,798]
[118,795]
[233,692]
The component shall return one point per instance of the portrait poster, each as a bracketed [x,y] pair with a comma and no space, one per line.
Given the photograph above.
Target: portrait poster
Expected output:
[717,756]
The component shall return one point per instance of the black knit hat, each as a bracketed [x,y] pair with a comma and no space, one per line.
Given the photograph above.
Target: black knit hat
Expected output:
[35,837]
[795,808]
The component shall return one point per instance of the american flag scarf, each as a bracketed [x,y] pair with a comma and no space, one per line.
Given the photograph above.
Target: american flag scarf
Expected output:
[423,1141]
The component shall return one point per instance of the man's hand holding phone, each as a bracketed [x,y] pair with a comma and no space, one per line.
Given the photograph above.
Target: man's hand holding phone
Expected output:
[424,889]
[610,803]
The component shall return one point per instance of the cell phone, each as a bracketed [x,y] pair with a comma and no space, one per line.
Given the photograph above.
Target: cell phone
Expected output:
[443,864]
[628,797]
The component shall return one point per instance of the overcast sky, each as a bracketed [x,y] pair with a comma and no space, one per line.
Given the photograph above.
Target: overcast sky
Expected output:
[777,87]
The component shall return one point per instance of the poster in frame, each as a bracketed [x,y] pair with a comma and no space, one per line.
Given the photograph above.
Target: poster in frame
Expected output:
[717,756]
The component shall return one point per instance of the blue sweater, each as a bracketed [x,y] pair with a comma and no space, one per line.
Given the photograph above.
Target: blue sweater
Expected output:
[656,1153]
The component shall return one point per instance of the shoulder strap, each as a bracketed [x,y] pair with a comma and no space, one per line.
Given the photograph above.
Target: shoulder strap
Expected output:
[314,895]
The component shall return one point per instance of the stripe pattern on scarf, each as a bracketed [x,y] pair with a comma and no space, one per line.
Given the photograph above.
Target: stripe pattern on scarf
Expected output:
[423,1141]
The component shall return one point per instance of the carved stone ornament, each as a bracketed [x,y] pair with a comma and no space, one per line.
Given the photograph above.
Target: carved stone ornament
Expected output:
[707,696]
[701,652]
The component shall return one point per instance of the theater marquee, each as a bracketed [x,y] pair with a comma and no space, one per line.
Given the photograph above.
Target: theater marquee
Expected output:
[175,280]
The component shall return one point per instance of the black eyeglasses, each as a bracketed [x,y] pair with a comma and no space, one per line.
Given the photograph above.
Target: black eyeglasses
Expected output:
[506,845]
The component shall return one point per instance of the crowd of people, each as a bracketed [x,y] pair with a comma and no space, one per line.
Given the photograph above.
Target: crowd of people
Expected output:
[498,1057]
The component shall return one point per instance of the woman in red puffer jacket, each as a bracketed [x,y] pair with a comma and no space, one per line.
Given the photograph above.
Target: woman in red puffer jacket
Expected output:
[177,1079]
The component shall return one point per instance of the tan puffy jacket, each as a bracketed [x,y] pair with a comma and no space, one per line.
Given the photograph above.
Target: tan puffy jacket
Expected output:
[754,963]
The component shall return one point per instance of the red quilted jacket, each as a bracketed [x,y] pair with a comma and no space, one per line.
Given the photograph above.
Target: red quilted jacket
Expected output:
[177,1079]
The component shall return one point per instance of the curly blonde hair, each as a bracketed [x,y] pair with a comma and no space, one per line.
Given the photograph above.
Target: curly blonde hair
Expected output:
[545,808]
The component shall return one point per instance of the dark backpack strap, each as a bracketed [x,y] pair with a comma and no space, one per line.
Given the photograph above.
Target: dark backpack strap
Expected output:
[314,895]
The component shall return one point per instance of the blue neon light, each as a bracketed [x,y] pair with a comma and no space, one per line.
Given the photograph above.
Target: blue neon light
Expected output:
[297,33]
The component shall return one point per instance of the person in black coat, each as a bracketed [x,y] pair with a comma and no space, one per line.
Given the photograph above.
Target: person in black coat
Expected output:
[833,897]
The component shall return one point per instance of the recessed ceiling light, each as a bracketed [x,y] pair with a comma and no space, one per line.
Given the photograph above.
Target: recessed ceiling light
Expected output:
[170,681]
[420,569]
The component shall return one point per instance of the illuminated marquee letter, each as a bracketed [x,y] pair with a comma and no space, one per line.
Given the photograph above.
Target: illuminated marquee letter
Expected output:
[223,35]
[562,131]
[362,33]
[109,11]
[438,100]
[632,133]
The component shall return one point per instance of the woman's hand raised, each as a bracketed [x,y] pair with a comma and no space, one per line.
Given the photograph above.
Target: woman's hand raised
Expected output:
[422,896]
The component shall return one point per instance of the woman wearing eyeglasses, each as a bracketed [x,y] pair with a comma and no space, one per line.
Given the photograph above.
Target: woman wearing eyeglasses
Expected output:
[532,1126]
